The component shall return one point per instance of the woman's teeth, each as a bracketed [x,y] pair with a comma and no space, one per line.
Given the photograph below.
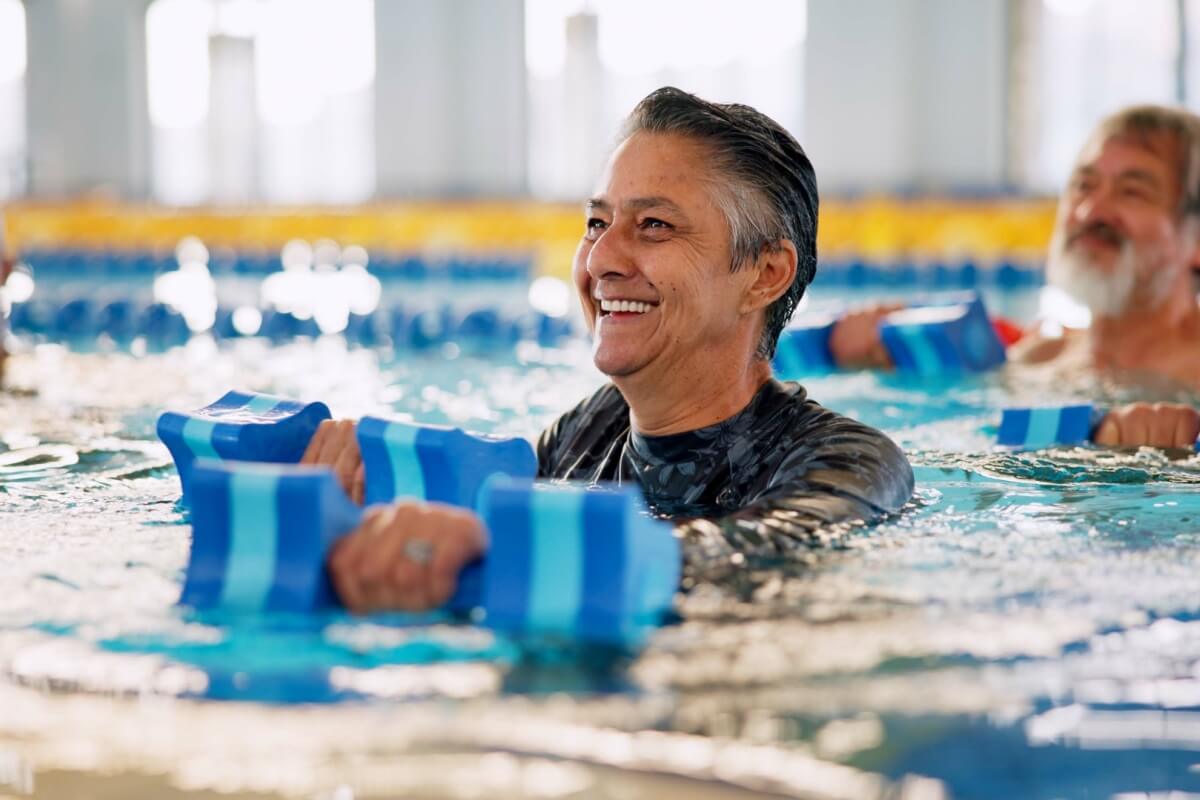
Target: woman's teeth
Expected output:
[628,306]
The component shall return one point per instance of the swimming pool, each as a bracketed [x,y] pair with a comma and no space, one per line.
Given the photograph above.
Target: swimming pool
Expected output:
[1027,628]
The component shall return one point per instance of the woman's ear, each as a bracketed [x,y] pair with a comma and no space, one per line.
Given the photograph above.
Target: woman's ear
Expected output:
[774,273]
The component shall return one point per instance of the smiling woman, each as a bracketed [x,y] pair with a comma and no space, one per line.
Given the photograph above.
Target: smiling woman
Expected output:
[698,244]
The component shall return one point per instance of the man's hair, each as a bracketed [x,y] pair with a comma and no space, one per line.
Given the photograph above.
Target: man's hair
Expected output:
[763,183]
[1151,126]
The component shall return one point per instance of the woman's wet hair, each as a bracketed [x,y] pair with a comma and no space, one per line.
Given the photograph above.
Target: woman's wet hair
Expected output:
[762,180]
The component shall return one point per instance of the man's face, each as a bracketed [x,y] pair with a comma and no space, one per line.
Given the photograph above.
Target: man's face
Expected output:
[1118,243]
[653,267]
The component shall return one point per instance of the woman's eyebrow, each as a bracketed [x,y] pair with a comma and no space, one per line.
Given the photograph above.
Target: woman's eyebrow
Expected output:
[642,203]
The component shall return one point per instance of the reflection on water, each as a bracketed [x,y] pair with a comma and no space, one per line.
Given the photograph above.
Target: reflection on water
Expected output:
[1029,627]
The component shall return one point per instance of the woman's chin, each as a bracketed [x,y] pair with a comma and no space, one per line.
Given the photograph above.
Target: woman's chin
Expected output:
[615,363]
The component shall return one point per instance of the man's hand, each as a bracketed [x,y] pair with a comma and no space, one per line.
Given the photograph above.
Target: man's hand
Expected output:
[405,557]
[334,445]
[855,341]
[1157,425]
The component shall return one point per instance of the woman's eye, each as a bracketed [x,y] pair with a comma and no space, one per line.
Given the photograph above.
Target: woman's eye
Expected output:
[595,225]
[651,222]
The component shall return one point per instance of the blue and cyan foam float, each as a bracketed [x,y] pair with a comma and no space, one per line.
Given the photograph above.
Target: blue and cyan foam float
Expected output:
[928,340]
[1052,426]
[580,562]
[400,459]
[430,462]
[241,426]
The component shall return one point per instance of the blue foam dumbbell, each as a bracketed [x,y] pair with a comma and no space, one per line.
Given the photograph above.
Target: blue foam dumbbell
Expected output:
[564,560]
[952,335]
[430,462]
[241,426]
[1036,428]
[936,340]
[804,346]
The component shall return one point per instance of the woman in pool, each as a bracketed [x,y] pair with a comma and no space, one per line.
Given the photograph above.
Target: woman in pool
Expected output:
[696,249]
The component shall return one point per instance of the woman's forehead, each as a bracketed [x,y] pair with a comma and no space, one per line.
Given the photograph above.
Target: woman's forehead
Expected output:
[666,166]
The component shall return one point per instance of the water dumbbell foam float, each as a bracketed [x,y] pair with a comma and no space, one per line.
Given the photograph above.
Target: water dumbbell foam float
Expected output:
[430,462]
[804,346]
[564,560]
[927,339]
[400,459]
[241,426]
[934,340]
[1036,428]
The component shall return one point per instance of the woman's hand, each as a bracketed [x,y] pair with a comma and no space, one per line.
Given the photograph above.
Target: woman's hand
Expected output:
[405,557]
[1157,425]
[855,341]
[335,445]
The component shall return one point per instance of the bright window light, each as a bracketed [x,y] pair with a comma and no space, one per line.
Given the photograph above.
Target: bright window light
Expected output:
[12,40]
[631,39]
[177,66]
[308,50]
[705,33]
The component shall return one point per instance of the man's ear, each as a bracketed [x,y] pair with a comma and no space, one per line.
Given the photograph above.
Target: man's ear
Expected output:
[774,272]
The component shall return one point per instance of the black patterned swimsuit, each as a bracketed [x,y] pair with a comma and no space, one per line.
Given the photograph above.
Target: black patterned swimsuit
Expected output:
[782,474]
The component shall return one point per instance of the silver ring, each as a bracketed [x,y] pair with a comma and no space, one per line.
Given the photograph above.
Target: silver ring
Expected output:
[419,550]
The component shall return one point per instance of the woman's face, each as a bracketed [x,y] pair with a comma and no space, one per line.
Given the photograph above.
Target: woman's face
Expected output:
[653,267]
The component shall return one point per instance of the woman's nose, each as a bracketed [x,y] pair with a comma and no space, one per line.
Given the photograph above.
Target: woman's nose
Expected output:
[611,255]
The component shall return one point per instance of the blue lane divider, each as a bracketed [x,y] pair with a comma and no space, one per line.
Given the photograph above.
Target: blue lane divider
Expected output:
[854,271]
[936,340]
[80,320]
[952,335]
[430,462]
[581,562]
[1036,428]
[241,426]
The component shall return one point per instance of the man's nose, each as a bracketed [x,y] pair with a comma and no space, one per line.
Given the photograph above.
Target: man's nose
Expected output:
[1094,206]
[611,256]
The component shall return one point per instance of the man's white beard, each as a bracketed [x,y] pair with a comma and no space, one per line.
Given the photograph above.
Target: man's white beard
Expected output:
[1107,293]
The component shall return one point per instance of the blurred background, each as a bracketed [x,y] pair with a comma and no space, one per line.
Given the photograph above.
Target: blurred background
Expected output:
[439,137]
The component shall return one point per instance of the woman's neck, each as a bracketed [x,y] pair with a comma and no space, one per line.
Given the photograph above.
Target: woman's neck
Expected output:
[688,402]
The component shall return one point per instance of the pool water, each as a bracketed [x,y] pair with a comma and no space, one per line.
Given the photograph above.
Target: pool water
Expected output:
[1028,628]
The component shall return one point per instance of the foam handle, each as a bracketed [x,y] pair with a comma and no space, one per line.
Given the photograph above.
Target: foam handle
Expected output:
[937,340]
[445,465]
[241,426]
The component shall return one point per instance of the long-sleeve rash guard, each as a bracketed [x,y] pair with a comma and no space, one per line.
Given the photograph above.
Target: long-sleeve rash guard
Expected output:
[781,475]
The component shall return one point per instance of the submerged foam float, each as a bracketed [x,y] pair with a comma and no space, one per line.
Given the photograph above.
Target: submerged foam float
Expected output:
[1051,426]
[566,560]
[926,340]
